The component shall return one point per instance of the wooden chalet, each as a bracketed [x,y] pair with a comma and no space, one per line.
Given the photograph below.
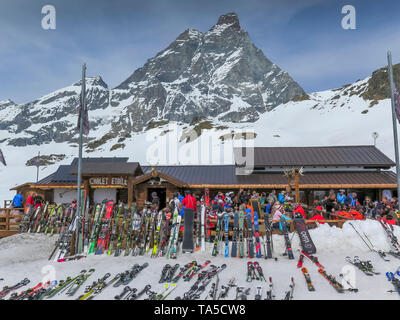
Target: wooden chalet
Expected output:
[311,171]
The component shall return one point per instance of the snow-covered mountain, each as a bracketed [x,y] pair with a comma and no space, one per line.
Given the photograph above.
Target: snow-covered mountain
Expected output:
[130,121]
[220,74]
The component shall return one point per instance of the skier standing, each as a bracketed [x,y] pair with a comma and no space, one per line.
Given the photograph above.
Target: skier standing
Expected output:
[30,200]
[17,201]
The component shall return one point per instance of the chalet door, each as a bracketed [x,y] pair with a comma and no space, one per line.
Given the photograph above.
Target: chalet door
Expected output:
[161,193]
[122,195]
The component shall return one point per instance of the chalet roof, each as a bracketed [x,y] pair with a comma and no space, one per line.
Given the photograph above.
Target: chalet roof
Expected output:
[224,175]
[97,168]
[100,159]
[337,156]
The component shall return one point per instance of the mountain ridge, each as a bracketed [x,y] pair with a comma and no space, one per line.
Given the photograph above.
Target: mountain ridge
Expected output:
[218,76]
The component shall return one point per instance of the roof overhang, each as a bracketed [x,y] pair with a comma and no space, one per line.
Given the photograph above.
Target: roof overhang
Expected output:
[157,174]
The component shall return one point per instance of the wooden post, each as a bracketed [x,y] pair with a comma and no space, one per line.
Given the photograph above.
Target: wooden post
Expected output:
[130,190]
[296,185]
[86,186]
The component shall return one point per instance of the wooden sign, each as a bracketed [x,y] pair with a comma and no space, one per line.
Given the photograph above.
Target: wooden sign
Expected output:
[108,181]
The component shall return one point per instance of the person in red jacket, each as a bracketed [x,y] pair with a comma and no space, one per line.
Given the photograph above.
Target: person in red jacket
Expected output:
[389,219]
[298,209]
[356,215]
[319,218]
[30,200]
[189,201]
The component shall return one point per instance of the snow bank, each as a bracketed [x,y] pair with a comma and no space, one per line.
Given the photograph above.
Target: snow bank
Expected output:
[26,255]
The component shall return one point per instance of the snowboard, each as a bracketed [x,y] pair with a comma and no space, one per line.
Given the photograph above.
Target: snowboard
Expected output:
[305,239]
[188,244]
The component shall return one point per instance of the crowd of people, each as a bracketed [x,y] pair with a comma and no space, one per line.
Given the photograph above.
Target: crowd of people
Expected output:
[334,205]
[35,200]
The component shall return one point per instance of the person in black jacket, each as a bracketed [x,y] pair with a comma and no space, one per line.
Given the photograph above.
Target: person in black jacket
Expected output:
[155,200]
[330,204]
[243,197]
[38,200]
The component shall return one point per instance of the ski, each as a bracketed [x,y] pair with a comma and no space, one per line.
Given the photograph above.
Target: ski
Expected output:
[365,266]
[257,235]
[332,280]
[270,294]
[122,232]
[173,233]
[99,212]
[241,242]
[268,236]
[157,235]
[78,283]
[260,272]
[105,228]
[394,281]
[234,248]
[289,293]
[288,245]
[250,244]
[131,230]
[313,259]
[226,234]
[390,234]
[215,250]
[198,231]
[203,233]
[113,233]
[306,275]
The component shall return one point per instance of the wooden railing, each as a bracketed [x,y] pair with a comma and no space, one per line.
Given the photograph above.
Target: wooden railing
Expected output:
[8,225]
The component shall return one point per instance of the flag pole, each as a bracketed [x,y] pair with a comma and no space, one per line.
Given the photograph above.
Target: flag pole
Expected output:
[37,167]
[79,182]
[396,145]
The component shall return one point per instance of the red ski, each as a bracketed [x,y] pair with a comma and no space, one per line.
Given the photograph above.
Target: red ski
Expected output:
[313,259]
[104,234]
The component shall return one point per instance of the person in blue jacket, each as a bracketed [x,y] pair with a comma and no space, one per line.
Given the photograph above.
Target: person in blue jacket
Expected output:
[268,208]
[341,196]
[18,201]
[281,197]
[351,200]
[287,220]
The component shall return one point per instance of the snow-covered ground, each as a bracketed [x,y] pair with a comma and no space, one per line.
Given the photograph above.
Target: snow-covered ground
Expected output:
[25,255]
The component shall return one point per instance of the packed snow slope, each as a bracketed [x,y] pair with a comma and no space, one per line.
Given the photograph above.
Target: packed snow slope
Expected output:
[25,255]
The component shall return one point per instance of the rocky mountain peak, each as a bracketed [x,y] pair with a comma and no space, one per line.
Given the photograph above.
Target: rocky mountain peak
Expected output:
[218,74]
[230,19]
[6,102]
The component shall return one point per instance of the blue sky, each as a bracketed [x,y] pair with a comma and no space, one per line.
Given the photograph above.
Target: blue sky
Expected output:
[305,38]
